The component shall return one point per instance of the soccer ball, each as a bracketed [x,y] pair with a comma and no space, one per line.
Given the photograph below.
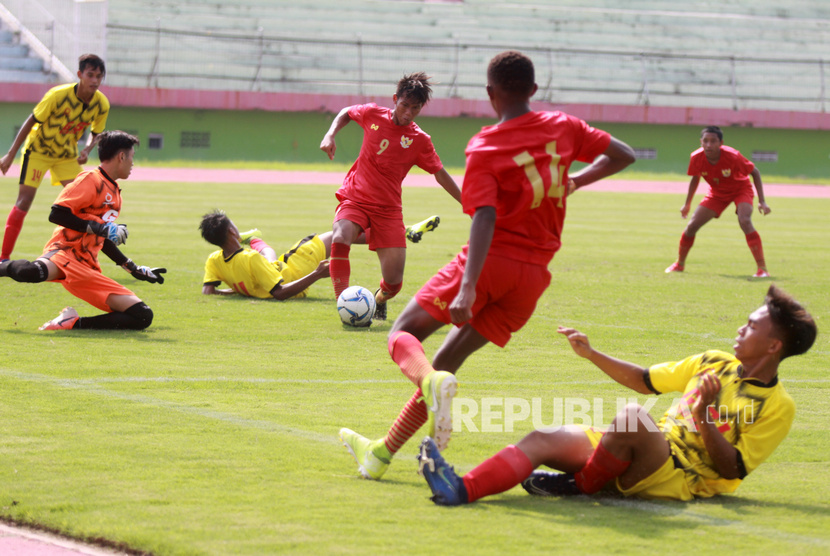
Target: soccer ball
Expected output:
[356,306]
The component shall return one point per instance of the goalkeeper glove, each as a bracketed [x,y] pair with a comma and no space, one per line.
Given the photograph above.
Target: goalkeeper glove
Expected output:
[116,233]
[144,273]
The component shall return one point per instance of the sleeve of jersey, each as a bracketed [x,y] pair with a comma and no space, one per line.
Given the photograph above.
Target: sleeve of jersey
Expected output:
[428,159]
[265,273]
[481,188]
[760,439]
[358,112]
[594,141]
[693,166]
[100,123]
[211,272]
[45,107]
[79,195]
[747,166]
[674,376]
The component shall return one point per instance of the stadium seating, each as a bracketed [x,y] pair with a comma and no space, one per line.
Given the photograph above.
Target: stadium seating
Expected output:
[16,63]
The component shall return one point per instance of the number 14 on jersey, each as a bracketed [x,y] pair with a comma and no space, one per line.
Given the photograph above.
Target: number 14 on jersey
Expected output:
[556,189]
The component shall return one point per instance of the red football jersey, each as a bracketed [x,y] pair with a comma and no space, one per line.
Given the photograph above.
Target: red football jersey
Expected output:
[388,152]
[92,196]
[729,175]
[521,168]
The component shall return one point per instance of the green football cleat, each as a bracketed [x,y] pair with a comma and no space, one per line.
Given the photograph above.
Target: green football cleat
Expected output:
[439,389]
[369,464]
[415,232]
[245,237]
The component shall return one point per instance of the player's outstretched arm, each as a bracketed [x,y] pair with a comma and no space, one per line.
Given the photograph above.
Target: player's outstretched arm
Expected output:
[286,291]
[8,158]
[327,145]
[616,157]
[145,273]
[63,216]
[481,236]
[687,206]
[445,180]
[211,289]
[628,374]
[763,208]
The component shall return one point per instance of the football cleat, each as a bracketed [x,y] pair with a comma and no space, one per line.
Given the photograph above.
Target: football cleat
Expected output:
[65,321]
[447,488]
[762,273]
[546,483]
[380,308]
[675,267]
[245,237]
[370,465]
[415,232]
[439,389]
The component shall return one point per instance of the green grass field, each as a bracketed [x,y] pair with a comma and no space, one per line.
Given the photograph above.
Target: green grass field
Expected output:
[215,430]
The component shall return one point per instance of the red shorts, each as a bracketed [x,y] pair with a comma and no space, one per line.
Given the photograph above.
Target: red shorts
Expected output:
[86,283]
[506,295]
[718,203]
[383,227]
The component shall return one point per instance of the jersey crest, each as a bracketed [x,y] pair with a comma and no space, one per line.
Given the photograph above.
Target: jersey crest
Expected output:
[406,142]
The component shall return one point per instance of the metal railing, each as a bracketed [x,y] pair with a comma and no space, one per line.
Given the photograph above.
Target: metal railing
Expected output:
[178,58]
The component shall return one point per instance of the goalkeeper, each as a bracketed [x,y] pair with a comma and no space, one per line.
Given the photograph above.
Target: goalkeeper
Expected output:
[85,214]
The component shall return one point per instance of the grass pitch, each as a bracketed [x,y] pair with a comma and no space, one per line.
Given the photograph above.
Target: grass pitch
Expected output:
[215,430]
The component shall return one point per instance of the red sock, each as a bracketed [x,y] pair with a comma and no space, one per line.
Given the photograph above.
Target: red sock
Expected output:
[408,353]
[387,291]
[339,267]
[754,242]
[686,243]
[14,223]
[501,472]
[602,466]
[411,418]
[258,244]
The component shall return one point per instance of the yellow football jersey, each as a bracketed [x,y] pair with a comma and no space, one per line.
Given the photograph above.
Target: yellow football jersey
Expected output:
[62,118]
[752,416]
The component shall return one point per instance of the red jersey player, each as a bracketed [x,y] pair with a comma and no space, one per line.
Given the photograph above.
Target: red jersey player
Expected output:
[370,197]
[515,189]
[726,171]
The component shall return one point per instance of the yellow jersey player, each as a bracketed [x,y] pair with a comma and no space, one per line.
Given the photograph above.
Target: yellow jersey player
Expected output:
[731,415]
[258,271]
[51,134]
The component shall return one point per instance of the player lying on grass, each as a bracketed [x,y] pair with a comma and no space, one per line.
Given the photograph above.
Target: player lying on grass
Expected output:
[258,271]
[370,197]
[515,187]
[732,415]
[85,213]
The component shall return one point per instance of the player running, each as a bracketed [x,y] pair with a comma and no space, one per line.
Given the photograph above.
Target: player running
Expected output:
[85,213]
[515,189]
[370,197]
[51,134]
[726,171]
[733,414]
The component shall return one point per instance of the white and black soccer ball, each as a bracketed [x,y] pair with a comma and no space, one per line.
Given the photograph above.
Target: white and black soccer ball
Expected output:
[356,306]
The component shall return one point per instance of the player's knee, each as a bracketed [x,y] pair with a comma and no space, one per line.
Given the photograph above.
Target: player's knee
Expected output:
[27,271]
[141,314]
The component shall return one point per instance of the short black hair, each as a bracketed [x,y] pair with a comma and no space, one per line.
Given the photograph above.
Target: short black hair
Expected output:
[513,72]
[110,143]
[215,226]
[416,87]
[91,60]
[792,324]
[712,129]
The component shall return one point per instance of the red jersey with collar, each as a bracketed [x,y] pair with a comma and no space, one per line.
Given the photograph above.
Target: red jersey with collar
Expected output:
[388,152]
[729,175]
[92,196]
[521,168]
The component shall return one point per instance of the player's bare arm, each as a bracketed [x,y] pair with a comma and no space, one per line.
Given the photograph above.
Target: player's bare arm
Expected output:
[210,289]
[628,374]
[723,454]
[481,235]
[282,292]
[445,180]
[687,206]
[328,145]
[763,208]
[20,138]
[616,157]
[83,155]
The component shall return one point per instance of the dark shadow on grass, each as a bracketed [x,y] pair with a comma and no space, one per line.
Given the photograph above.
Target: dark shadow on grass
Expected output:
[140,335]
